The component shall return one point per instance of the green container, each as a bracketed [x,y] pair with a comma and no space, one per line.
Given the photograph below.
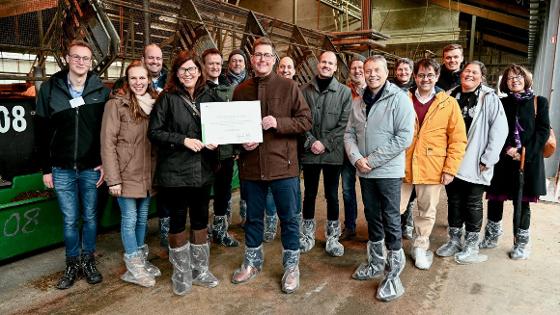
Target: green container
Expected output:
[28,224]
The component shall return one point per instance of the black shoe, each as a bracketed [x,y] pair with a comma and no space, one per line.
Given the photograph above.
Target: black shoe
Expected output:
[347,235]
[71,273]
[90,271]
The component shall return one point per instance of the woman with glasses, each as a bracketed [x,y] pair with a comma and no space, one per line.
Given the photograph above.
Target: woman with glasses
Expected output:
[126,153]
[529,125]
[486,130]
[184,171]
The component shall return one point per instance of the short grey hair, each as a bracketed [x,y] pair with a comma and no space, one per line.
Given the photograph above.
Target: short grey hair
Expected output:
[375,58]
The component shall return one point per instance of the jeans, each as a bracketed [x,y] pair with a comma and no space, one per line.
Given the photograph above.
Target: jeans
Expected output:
[222,187]
[464,205]
[311,175]
[74,188]
[381,197]
[349,195]
[134,217]
[284,192]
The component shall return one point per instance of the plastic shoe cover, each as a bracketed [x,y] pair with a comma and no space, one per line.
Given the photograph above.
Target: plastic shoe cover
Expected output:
[391,287]
[251,266]
[422,258]
[453,245]
[332,233]
[269,228]
[181,279]
[290,278]
[470,254]
[521,249]
[136,271]
[164,231]
[228,211]
[376,262]
[408,228]
[242,211]
[220,232]
[307,235]
[492,234]
[153,270]
[201,276]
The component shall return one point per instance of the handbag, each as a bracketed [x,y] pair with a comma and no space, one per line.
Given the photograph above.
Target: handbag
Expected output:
[550,145]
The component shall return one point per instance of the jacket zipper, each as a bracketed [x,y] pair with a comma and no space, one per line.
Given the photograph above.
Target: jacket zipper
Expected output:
[76,132]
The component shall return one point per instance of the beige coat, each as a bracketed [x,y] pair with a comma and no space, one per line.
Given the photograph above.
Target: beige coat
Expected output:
[126,151]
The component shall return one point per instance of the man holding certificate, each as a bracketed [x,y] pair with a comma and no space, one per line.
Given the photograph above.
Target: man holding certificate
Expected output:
[272,163]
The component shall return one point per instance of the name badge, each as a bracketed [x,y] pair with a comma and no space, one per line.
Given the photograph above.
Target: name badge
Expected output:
[77,102]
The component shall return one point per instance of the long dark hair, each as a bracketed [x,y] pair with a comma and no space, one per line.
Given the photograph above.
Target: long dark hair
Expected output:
[136,112]
[173,84]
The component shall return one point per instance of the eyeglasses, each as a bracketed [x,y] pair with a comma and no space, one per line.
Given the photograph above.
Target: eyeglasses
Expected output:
[190,70]
[429,76]
[515,78]
[77,58]
[265,56]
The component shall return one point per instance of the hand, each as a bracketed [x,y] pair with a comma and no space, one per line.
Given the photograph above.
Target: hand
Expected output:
[193,144]
[250,146]
[362,165]
[317,147]
[483,167]
[211,146]
[115,190]
[101,175]
[511,152]
[236,157]
[446,179]
[517,157]
[48,181]
[269,122]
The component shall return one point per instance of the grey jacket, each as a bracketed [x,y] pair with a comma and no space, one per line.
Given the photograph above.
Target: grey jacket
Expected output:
[485,138]
[329,110]
[384,136]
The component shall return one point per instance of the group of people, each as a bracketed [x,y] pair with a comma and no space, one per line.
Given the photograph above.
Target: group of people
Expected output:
[434,126]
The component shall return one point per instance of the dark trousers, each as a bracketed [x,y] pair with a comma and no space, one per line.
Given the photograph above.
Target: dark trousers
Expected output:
[464,205]
[222,187]
[284,192]
[331,176]
[381,197]
[496,212]
[348,175]
[180,199]
[162,211]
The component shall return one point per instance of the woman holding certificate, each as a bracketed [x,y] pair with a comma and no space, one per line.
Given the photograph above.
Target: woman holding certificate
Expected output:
[184,171]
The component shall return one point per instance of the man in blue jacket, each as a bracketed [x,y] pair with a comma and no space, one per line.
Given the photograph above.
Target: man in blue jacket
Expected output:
[380,128]
[69,113]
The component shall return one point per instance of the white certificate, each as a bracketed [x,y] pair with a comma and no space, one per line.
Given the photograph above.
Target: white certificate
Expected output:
[231,122]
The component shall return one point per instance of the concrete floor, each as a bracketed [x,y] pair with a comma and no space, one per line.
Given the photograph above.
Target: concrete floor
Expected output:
[499,286]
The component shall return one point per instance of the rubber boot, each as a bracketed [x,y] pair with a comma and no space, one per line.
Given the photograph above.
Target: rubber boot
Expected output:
[89,268]
[144,251]
[164,231]
[71,273]
[521,248]
[307,235]
[180,258]
[290,278]
[220,232]
[136,271]
[391,287]
[453,245]
[332,233]
[492,233]
[251,266]
[270,223]
[470,253]
[375,264]
[200,257]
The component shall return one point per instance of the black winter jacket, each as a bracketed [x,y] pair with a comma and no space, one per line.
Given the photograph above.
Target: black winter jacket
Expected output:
[171,121]
[69,137]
